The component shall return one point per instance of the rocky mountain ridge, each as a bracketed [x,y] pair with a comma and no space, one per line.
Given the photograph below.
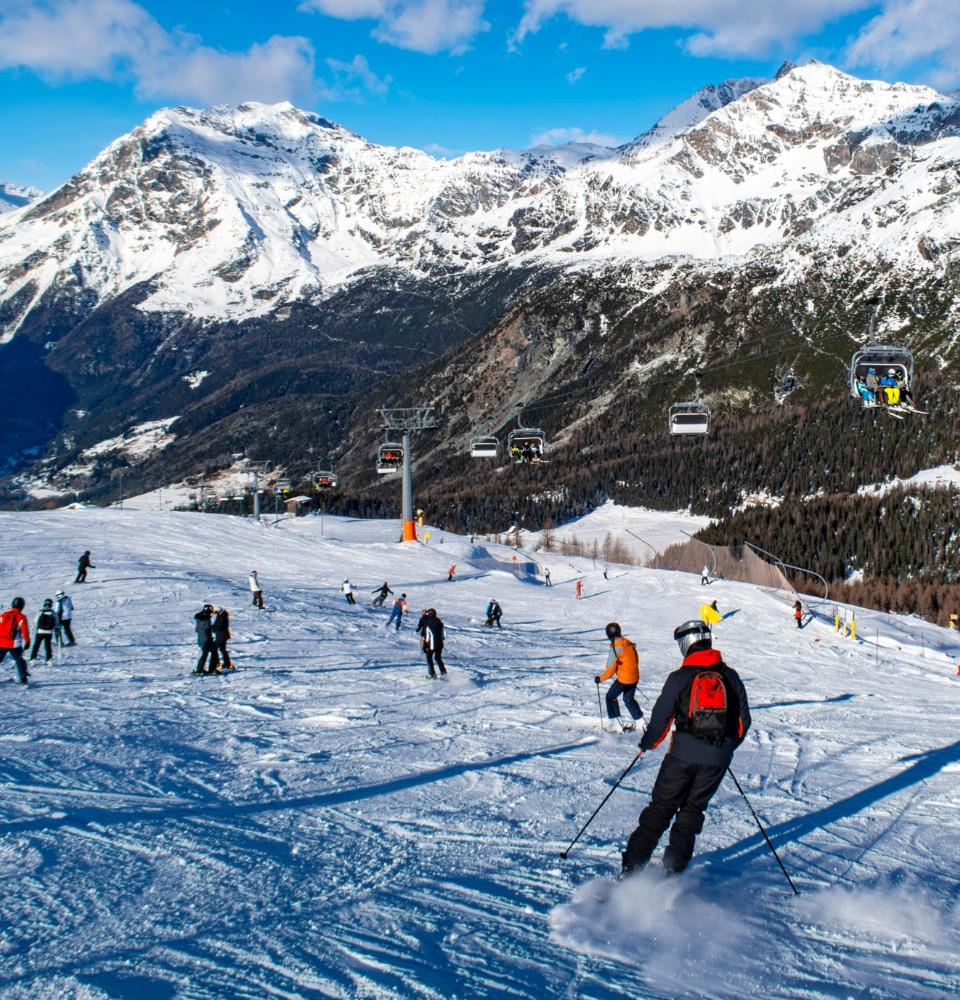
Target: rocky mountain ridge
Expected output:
[223,267]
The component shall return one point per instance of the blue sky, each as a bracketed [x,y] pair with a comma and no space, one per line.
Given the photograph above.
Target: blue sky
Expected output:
[444,75]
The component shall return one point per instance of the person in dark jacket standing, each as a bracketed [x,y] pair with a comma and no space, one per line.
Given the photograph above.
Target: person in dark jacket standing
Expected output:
[707,702]
[220,630]
[208,648]
[83,564]
[65,619]
[430,627]
[43,632]
[494,614]
[15,636]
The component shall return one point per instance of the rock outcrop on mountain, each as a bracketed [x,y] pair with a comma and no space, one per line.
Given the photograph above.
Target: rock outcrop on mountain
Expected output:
[253,242]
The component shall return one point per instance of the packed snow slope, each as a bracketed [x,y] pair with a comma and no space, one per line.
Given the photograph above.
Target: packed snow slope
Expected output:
[326,822]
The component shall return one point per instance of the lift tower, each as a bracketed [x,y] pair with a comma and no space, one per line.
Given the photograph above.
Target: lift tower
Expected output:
[408,420]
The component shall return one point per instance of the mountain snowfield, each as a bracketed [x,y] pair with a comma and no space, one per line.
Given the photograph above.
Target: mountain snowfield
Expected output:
[237,212]
[13,196]
[326,822]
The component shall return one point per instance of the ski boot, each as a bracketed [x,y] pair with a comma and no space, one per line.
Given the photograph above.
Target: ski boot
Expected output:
[673,862]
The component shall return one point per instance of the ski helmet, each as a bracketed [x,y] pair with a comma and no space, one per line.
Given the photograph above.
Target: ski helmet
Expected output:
[613,631]
[891,371]
[60,593]
[18,603]
[48,603]
[693,636]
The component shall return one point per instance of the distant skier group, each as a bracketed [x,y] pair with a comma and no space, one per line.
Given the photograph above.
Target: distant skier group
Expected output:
[54,623]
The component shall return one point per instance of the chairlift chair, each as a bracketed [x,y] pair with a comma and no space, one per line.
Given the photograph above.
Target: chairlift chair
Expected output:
[325,479]
[484,447]
[881,359]
[282,486]
[690,417]
[526,445]
[389,458]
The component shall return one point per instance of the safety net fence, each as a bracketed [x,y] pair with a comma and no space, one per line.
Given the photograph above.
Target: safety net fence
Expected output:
[731,562]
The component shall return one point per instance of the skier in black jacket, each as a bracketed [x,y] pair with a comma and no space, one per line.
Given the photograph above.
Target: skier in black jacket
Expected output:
[220,631]
[208,648]
[83,564]
[43,633]
[381,593]
[431,628]
[707,703]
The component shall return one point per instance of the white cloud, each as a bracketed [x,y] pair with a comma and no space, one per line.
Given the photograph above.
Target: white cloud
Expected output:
[358,69]
[119,39]
[440,152]
[559,136]
[421,25]
[912,33]
[718,27]
[576,74]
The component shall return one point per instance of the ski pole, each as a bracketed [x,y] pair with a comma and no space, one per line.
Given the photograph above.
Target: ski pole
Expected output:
[563,854]
[756,818]
[600,706]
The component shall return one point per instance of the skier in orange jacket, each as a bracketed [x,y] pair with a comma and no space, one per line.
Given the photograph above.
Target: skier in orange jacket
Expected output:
[624,662]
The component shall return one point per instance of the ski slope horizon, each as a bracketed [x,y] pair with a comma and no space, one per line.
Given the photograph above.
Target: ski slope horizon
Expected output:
[325,822]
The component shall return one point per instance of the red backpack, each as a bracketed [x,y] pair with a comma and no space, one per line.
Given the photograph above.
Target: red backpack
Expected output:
[708,707]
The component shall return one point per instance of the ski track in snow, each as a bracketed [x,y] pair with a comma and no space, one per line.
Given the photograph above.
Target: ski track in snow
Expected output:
[325,822]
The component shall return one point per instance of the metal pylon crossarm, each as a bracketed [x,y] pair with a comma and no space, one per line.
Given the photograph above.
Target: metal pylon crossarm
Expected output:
[408,419]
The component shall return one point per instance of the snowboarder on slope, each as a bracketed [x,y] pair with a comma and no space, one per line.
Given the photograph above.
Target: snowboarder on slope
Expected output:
[83,564]
[707,702]
[494,613]
[65,619]
[347,590]
[381,593]
[798,613]
[709,613]
[451,571]
[399,608]
[43,631]
[430,627]
[208,648]
[15,636]
[704,576]
[624,662]
[579,589]
[220,631]
[254,583]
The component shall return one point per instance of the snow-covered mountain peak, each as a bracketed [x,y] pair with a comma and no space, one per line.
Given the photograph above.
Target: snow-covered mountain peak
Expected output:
[232,212]
[14,196]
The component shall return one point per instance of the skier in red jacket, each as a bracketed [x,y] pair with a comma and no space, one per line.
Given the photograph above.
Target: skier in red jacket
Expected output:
[15,636]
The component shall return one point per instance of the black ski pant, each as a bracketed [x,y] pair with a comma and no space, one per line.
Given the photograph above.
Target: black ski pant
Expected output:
[42,637]
[208,649]
[378,601]
[258,599]
[682,790]
[65,630]
[18,659]
[81,576]
[221,645]
[434,654]
[349,597]
[629,692]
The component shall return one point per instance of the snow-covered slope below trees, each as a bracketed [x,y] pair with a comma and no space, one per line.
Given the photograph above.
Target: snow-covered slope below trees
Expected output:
[234,212]
[326,822]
